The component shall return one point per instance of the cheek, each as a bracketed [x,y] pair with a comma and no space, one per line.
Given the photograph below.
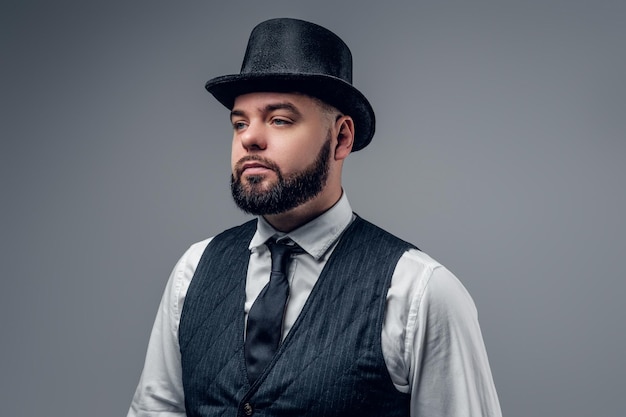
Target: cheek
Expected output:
[297,160]
[235,155]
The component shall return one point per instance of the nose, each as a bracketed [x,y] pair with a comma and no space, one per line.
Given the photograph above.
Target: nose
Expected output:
[253,137]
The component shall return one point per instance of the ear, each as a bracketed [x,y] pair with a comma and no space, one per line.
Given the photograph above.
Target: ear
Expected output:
[344,126]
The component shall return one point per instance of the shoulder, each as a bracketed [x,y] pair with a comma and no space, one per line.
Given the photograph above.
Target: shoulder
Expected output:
[362,226]
[423,300]
[432,285]
[190,259]
[185,269]
[415,270]
[431,308]
[183,272]
[186,266]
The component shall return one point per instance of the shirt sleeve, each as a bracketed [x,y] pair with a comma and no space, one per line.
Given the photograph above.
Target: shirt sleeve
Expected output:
[160,389]
[449,373]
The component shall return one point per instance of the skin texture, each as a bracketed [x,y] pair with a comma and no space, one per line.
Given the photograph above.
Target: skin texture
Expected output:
[283,194]
[285,132]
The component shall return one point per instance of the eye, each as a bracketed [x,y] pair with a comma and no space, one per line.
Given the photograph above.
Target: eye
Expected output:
[280,122]
[238,125]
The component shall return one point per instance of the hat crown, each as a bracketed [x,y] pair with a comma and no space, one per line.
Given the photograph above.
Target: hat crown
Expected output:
[292,46]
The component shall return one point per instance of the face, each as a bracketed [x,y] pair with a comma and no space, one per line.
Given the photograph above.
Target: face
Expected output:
[281,151]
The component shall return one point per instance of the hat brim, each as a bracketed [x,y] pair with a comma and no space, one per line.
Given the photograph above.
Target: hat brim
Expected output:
[331,90]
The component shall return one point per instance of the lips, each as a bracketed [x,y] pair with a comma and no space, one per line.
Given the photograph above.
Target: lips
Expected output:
[254,165]
[253,168]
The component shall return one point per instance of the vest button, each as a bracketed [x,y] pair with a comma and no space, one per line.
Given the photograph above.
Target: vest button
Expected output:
[247,408]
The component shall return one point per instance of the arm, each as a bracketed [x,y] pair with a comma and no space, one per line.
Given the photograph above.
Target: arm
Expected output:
[160,389]
[449,371]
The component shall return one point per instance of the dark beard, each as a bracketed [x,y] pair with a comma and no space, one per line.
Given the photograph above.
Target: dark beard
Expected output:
[288,192]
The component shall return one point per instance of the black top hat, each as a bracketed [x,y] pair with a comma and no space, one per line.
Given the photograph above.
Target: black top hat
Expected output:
[291,55]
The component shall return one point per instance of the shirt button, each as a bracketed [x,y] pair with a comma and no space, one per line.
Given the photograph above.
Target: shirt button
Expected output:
[247,408]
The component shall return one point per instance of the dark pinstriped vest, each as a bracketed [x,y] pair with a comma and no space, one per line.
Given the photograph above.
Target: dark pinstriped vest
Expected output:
[330,363]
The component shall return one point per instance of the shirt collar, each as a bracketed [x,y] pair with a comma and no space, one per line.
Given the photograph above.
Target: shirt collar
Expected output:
[316,236]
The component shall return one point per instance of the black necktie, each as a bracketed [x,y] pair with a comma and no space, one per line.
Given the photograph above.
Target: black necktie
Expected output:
[265,319]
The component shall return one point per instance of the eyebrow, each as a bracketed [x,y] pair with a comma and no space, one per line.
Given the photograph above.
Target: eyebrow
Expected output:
[270,108]
[283,106]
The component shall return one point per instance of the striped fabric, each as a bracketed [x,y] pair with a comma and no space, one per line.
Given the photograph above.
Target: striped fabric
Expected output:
[330,363]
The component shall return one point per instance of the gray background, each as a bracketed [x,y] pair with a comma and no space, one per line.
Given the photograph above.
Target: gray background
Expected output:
[500,151]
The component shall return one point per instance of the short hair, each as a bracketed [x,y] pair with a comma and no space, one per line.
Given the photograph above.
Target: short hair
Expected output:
[331,111]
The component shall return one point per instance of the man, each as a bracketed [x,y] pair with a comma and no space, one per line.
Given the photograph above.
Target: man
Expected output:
[308,309]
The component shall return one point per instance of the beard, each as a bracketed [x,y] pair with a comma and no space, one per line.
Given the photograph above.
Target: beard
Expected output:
[287,192]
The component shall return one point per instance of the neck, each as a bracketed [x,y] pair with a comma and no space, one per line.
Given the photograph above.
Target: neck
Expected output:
[294,218]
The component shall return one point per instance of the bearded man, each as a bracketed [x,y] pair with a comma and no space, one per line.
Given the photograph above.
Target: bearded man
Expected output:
[308,309]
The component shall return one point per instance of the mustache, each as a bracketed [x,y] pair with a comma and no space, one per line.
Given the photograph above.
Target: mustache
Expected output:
[255,158]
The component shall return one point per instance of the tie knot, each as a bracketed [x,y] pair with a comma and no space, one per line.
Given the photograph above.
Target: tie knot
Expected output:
[281,251]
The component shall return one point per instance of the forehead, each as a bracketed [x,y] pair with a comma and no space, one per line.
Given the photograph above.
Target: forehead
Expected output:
[260,101]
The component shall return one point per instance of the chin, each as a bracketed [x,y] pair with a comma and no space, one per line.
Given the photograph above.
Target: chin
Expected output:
[256,183]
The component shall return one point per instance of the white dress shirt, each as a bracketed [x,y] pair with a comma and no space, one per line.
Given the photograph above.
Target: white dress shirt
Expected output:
[431,340]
